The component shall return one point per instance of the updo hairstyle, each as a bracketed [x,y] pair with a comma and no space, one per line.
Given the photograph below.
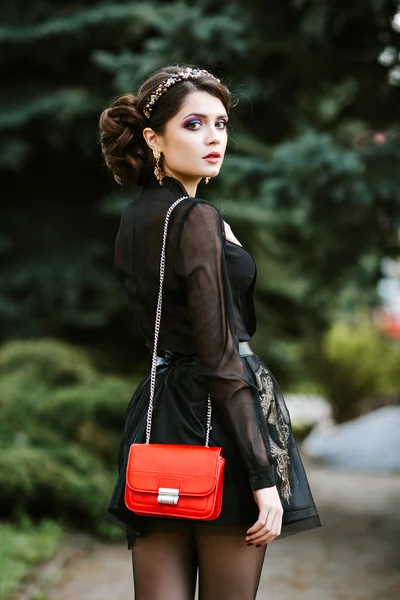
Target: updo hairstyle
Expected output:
[124,148]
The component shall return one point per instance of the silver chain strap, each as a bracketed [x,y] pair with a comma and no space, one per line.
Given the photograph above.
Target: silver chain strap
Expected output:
[157,332]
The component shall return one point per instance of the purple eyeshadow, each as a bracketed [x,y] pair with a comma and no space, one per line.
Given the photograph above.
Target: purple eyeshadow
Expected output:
[192,120]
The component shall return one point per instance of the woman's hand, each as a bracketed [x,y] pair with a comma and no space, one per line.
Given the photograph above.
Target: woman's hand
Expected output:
[269,523]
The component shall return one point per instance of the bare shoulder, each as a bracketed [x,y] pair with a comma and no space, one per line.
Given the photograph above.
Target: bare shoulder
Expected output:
[230,235]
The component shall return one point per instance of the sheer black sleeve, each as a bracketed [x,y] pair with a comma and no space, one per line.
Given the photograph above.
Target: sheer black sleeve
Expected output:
[212,314]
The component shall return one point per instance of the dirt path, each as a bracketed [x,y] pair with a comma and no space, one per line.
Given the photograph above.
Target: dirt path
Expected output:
[354,556]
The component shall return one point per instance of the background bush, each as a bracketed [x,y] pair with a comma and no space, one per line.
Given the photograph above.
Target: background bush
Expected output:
[22,547]
[357,367]
[61,421]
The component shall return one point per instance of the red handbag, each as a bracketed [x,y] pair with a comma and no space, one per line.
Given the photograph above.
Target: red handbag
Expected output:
[171,480]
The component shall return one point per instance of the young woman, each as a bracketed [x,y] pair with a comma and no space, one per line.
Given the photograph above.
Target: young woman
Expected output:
[165,141]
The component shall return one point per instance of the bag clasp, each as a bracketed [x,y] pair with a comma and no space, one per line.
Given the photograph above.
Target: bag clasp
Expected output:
[168,496]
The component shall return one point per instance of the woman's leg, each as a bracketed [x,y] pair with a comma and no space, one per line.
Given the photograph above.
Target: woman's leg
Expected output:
[228,568]
[165,563]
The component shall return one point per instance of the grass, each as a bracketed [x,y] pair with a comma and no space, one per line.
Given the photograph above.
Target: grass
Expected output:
[22,547]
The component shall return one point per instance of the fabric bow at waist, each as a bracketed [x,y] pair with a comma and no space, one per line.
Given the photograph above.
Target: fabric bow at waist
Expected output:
[171,359]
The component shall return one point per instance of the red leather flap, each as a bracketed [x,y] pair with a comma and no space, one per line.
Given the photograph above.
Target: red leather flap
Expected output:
[192,469]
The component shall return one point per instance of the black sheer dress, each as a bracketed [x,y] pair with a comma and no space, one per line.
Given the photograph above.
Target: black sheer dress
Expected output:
[207,310]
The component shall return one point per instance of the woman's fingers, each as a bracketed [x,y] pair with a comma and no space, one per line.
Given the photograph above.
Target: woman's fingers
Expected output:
[272,534]
[263,528]
[261,533]
[259,524]
[269,522]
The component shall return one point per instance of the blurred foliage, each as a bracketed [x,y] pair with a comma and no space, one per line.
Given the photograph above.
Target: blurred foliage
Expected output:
[310,184]
[22,547]
[60,427]
[315,235]
[356,365]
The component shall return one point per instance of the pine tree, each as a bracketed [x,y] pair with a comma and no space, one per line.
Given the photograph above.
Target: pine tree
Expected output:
[308,185]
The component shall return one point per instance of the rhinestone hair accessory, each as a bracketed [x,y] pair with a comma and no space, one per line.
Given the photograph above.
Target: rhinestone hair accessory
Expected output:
[187,73]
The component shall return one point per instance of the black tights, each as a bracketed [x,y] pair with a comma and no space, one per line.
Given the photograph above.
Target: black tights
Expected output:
[166,560]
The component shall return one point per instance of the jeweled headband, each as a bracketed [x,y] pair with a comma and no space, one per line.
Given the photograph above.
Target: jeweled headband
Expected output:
[187,73]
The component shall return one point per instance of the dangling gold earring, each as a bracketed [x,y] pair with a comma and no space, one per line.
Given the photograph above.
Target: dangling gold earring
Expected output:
[158,172]
[207,179]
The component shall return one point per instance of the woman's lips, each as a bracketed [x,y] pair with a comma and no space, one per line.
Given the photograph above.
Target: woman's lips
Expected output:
[213,157]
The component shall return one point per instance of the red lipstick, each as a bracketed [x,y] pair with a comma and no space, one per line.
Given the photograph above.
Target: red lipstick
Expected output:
[213,157]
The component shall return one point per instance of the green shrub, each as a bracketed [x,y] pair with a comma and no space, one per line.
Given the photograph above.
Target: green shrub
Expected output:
[64,483]
[61,422]
[92,413]
[21,548]
[357,363]
[53,362]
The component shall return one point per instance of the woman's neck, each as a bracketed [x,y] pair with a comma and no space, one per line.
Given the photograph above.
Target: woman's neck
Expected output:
[189,184]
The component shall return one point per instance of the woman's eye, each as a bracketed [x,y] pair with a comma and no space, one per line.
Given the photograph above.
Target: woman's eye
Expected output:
[193,125]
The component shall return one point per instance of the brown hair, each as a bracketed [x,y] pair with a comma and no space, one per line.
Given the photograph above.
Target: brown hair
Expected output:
[124,148]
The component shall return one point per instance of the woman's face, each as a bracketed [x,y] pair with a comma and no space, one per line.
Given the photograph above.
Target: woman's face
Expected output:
[194,140]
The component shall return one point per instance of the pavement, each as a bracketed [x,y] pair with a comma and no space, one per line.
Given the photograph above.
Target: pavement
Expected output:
[354,556]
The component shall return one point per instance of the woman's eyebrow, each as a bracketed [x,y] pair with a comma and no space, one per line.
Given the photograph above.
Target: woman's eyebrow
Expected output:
[204,116]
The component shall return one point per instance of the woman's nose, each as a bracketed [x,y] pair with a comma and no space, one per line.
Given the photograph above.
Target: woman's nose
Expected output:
[214,138]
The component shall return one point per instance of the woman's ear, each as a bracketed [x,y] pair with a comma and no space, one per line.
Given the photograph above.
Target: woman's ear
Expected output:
[151,139]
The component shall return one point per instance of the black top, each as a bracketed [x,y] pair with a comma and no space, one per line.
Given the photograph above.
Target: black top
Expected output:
[207,304]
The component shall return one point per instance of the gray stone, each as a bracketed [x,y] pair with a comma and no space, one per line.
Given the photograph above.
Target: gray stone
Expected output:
[308,410]
[369,443]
